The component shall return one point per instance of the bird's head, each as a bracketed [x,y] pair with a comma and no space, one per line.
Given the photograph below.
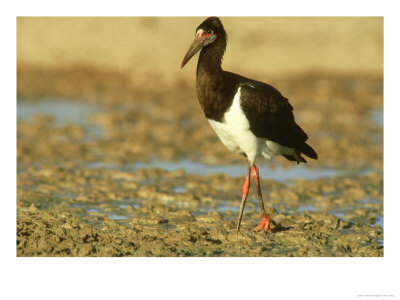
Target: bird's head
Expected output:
[206,33]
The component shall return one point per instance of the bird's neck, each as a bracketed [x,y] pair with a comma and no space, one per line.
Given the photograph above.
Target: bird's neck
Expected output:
[210,60]
[210,82]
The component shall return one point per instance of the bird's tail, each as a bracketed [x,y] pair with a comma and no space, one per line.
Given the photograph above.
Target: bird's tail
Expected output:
[308,151]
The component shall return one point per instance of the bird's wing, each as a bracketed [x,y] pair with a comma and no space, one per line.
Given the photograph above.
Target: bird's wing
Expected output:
[270,114]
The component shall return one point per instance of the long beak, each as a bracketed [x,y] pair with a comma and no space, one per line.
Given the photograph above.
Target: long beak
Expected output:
[197,44]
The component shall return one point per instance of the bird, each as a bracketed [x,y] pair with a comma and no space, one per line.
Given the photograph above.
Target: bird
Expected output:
[250,117]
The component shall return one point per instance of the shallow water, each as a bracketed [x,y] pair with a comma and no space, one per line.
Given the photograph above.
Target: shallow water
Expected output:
[64,112]
[277,173]
[376,117]
[234,170]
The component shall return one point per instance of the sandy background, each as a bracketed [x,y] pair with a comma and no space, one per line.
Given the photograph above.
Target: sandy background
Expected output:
[155,46]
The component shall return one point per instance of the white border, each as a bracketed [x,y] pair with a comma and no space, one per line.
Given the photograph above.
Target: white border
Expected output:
[198,278]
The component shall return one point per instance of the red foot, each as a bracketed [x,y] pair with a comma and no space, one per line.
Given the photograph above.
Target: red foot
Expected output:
[264,223]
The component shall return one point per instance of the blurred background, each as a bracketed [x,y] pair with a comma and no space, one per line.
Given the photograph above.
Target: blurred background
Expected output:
[113,87]
[269,46]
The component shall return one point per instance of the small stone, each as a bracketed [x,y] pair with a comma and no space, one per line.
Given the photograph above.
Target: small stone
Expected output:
[33,207]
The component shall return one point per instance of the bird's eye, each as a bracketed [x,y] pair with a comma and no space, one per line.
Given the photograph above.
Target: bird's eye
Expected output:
[208,32]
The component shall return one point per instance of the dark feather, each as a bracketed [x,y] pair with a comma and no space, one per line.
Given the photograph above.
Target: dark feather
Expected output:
[292,158]
[271,117]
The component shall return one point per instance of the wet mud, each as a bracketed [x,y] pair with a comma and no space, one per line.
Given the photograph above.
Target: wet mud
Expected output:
[110,166]
[68,211]
[149,178]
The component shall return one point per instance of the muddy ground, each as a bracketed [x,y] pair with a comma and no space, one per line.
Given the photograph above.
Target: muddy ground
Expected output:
[99,212]
[109,166]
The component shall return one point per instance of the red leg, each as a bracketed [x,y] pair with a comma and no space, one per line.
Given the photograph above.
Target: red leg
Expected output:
[265,219]
[245,192]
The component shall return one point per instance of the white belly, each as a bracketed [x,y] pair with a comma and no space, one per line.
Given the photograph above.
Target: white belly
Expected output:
[234,132]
